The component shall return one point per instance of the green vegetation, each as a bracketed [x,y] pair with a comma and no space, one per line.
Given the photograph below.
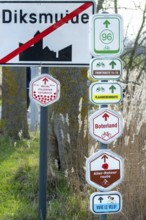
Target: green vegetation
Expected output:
[18,179]
[19,186]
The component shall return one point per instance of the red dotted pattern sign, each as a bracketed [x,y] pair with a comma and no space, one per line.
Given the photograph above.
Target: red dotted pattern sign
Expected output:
[44,90]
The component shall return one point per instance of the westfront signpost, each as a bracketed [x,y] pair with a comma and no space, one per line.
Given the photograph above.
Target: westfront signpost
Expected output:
[105,169]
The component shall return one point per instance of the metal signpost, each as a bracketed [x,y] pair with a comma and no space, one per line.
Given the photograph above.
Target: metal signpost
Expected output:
[105,170]
[105,93]
[105,43]
[105,69]
[106,203]
[44,90]
[105,125]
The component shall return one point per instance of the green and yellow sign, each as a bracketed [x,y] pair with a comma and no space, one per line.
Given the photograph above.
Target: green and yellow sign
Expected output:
[105,93]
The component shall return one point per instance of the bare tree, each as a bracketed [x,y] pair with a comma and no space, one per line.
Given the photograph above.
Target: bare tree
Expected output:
[14,108]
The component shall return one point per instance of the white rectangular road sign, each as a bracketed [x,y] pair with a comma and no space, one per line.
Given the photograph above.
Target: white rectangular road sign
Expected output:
[106,35]
[52,33]
[106,69]
[105,93]
[106,203]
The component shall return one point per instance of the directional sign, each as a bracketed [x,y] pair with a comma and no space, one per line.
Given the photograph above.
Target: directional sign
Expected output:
[106,202]
[105,69]
[44,90]
[106,35]
[45,32]
[104,170]
[105,125]
[105,93]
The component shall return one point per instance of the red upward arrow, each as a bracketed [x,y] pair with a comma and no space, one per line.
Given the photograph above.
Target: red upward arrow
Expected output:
[45,80]
[105,116]
[104,157]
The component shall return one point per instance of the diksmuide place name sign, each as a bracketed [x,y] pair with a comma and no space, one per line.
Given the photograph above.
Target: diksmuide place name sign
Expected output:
[52,33]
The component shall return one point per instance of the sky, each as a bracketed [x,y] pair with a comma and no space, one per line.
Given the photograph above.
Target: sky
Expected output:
[132,16]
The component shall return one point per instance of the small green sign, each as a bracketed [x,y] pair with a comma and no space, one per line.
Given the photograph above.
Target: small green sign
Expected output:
[106,35]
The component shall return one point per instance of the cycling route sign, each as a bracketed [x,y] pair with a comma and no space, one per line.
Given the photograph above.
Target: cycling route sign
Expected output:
[105,69]
[105,93]
[106,35]
[105,125]
[104,170]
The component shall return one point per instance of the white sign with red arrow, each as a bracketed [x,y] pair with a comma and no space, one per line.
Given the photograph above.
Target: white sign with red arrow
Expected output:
[44,90]
[105,125]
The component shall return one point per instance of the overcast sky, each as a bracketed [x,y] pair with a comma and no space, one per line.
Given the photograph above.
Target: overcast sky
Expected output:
[131,16]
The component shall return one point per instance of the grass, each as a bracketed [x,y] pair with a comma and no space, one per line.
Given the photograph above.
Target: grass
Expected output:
[18,179]
[19,186]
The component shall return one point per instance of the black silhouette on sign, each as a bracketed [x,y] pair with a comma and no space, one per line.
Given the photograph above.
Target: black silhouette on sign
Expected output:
[38,53]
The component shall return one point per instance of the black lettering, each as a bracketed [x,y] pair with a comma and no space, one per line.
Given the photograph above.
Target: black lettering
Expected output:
[84,18]
[22,17]
[57,18]
[15,16]
[44,18]
[75,19]
[32,17]
[7,16]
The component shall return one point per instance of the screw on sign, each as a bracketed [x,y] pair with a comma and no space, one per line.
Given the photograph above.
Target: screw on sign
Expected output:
[105,125]
[44,90]
[105,170]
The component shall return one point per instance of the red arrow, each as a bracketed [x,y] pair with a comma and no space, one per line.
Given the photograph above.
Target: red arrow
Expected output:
[105,116]
[45,80]
[104,157]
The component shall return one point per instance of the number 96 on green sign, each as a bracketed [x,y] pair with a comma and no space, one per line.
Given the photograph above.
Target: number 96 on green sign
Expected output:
[106,35]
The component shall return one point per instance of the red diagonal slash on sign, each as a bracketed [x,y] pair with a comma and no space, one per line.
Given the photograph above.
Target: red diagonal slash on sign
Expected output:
[45,32]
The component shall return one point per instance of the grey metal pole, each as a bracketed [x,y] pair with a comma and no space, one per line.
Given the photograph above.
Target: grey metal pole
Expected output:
[103,146]
[34,114]
[43,158]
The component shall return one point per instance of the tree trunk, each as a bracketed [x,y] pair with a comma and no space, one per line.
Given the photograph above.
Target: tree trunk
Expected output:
[68,133]
[14,107]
